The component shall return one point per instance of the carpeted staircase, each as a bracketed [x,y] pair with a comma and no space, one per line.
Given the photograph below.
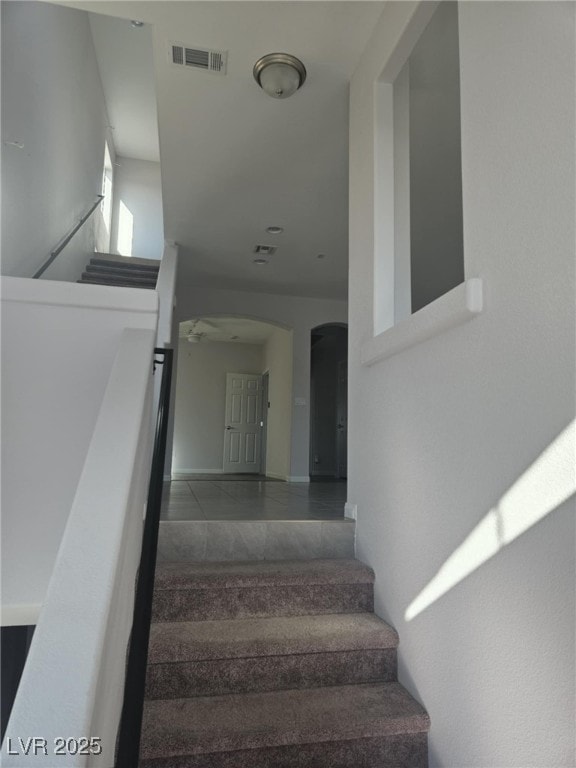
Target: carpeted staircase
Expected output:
[275,664]
[108,269]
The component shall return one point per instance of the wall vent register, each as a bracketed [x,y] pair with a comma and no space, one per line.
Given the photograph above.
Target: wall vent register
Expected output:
[185,56]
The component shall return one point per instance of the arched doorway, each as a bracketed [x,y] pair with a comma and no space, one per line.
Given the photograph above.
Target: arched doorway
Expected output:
[217,353]
[328,401]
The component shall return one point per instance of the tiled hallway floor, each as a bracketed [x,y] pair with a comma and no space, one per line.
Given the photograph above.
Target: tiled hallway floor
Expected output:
[252,499]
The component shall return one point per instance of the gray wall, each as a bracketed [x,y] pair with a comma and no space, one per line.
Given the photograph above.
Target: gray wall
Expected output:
[440,432]
[277,360]
[52,102]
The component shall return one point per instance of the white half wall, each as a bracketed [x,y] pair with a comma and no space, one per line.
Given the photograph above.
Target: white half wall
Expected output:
[53,106]
[277,360]
[200,408]
[444,435]
[295,313]
[137,216]
[75,670]
[59,341]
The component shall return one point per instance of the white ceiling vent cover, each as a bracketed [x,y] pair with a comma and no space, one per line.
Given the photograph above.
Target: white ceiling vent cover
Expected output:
[188,57]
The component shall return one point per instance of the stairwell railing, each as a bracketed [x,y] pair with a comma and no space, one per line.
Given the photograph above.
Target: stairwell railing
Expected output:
[128,749]
[64,242]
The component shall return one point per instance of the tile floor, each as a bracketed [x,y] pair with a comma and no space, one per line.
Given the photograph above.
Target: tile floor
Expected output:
[232,498]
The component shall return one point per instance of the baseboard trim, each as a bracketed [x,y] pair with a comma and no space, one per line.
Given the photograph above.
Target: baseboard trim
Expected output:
[298,479]
[197,471]
[276,476]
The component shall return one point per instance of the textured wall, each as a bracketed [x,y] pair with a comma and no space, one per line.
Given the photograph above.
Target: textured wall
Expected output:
[440,432]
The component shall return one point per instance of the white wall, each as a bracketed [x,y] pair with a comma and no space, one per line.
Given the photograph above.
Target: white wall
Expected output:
[200,408]
[59,341]
[277,359]
[52,103]
[293,312]
[138,187]
[439,433]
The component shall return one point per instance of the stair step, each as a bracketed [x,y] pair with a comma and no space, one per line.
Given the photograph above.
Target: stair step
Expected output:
[356,725]
[121,282]
[98,269]
[232,590]
[128,262]
[236,656]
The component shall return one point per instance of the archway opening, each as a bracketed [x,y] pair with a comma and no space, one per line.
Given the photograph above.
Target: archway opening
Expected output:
[233,398]
[328,402]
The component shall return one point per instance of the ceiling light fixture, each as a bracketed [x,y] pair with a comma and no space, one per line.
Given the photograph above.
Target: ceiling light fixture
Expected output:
[260,261]
[137,24]
[279,74]
[274,230]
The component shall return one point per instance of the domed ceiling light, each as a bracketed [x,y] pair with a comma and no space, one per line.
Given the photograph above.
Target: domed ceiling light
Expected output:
[279,74]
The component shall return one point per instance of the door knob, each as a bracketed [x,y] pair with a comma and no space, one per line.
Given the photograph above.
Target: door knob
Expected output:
[229,427]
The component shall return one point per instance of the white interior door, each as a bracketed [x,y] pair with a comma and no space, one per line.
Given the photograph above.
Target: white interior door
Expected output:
[242,431]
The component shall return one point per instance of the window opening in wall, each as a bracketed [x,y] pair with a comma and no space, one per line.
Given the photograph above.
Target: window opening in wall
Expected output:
[427,166]
[436,240]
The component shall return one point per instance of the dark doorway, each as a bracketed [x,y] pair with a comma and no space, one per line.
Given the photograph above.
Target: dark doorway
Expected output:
[329,401]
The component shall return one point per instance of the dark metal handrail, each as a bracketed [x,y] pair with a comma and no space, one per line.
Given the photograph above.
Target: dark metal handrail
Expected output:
[63,243]
[127,753]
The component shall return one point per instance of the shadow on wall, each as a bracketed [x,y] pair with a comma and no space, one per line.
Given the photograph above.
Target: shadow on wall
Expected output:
[544,486]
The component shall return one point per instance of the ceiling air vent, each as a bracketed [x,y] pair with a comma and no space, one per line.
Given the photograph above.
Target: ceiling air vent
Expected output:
[198,58]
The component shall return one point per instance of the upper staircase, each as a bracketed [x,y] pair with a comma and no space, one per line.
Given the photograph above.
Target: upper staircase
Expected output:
[275,663]
[109,269]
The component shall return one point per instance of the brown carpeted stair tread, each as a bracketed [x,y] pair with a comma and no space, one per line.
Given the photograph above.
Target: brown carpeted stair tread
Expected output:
[210,591]
[251,721]
[200,640]
[261,573]
[275,664]
[129,262]
[129,272]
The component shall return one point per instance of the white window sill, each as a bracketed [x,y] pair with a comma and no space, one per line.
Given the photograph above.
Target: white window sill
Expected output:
[454,308]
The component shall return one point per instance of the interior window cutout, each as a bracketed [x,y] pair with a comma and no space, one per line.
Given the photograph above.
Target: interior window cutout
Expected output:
[420,175]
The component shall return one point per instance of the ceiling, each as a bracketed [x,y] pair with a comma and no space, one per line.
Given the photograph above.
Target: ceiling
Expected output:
[233,160]
[237,330]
